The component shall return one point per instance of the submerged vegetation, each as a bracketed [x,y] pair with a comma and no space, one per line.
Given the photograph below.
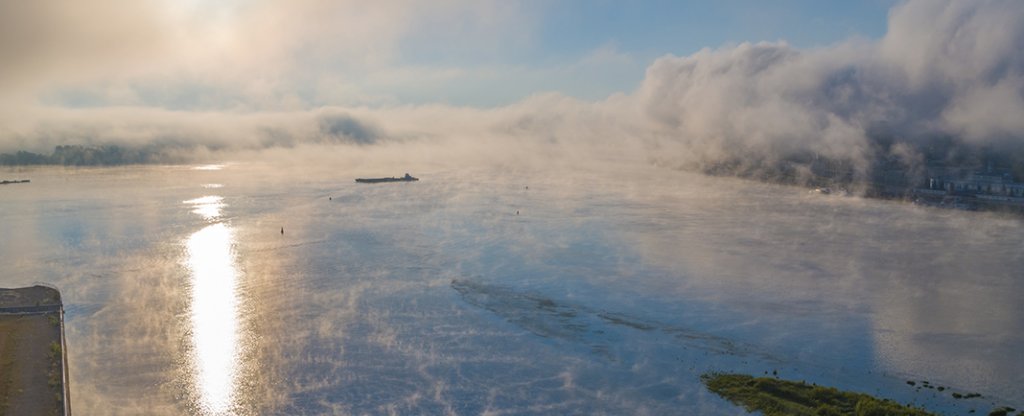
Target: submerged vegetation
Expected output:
[781,397]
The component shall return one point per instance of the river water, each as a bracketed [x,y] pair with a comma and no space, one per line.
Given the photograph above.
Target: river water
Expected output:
[246,289]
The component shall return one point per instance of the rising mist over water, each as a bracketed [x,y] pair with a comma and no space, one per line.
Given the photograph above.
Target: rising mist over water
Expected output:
[183,295]
[192,196]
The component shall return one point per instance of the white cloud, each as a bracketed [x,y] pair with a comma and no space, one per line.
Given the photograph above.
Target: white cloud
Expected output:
[943,69]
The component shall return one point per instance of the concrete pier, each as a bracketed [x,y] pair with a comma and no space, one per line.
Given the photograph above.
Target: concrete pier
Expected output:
[33,352]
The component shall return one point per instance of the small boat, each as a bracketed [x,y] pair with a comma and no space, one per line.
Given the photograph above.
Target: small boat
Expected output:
[406,178]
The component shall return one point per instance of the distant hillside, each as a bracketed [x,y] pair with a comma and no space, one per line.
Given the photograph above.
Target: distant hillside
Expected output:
[885,163]
[76,155]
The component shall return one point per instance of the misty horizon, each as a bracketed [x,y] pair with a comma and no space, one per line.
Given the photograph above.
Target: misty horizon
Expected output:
[214,188]
[938,71]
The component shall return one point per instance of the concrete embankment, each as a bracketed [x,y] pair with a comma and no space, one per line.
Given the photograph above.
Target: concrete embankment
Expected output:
[33,353]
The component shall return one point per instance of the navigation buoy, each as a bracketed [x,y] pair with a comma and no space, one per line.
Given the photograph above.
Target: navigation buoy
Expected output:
[282,230]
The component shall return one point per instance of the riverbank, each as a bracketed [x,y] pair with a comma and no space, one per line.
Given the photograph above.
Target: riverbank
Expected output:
[776,397]
[33,364]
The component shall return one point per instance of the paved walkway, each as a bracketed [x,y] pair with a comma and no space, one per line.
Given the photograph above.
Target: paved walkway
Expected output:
[27,364]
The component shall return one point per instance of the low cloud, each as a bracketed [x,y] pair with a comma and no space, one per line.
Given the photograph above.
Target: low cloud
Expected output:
[946,74]
[943,69]
[345,129]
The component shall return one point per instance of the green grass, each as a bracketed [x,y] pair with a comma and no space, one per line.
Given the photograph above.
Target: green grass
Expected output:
[781,397]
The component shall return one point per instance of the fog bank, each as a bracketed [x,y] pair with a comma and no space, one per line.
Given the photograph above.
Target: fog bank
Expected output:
[947,80]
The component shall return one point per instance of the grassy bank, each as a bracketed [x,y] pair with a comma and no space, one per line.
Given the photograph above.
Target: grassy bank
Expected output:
[781,397]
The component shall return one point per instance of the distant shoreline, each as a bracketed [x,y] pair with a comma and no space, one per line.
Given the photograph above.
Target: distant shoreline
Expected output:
[976,190]
[959,200]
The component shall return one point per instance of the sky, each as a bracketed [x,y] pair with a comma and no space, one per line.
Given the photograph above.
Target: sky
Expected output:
[592,49]
[684,83]
[311,53]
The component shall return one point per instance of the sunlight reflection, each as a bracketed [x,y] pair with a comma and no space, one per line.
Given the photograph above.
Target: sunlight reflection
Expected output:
[208,167]
[214,315]
[207,207]
[214,310]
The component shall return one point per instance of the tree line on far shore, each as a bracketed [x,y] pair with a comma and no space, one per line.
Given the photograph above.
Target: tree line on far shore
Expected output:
[78,155]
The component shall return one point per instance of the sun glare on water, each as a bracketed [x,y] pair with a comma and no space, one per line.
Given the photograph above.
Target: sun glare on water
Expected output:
[208,167]
[207,207]
[214,310]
